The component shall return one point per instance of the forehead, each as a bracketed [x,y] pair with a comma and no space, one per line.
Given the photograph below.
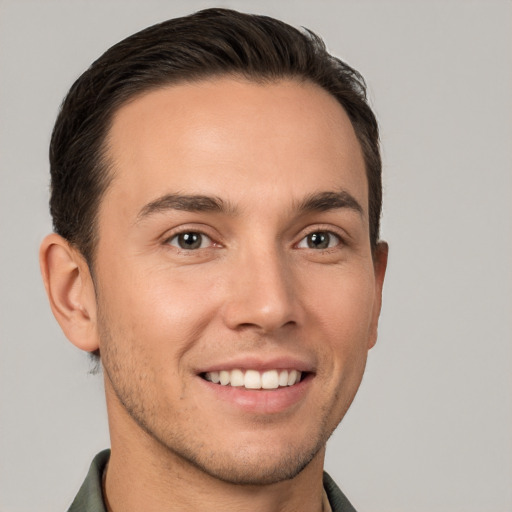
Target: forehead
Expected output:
[232,137]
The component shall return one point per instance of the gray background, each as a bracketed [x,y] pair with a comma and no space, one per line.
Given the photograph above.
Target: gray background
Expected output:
[431,429]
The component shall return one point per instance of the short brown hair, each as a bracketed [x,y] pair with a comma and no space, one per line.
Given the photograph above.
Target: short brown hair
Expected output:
[209,43]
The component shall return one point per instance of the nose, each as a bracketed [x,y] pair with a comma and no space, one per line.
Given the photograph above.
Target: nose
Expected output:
[261,292]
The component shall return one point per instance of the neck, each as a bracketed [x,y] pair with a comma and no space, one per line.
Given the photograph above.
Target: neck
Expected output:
[129,488]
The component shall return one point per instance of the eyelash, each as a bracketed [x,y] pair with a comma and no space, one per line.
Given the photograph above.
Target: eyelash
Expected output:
[197,233]
[174,240]
[330,236]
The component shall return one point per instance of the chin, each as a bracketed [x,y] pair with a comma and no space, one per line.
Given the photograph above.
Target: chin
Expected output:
[252,466]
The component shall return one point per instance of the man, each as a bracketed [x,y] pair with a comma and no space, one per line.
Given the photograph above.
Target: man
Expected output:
[216,199]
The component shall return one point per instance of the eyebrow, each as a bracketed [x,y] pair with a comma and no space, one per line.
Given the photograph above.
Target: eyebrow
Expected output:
[320,202]
[325,201]
[189,203]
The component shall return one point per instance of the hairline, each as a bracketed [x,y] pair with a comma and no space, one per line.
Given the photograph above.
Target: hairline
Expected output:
[106,164]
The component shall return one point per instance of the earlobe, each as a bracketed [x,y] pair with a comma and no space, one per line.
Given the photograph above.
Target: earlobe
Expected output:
[70,290]
[380,262]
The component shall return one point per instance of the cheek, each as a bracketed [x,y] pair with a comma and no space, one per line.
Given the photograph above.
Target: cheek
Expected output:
[343,307]
[343,301]
[159,312]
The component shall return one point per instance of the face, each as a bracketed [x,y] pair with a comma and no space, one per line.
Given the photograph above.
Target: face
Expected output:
[237,293]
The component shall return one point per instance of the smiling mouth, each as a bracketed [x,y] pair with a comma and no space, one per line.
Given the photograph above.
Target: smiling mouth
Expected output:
[254,379]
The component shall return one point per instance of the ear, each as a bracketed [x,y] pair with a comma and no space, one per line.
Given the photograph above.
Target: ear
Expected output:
[380,262]
[70,290]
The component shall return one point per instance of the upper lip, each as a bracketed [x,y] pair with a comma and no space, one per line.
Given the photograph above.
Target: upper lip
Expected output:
[260,364]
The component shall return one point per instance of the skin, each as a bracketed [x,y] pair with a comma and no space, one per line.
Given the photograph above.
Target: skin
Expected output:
[256,291]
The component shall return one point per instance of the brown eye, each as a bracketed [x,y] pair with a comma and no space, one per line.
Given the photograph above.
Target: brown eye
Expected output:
[319,240]
[190,240]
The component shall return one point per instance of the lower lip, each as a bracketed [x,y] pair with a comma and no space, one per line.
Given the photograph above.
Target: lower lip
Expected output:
[261,401]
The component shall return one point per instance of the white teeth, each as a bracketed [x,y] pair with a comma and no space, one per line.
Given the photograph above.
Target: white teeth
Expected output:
[253,379]
[224,377]
[237,378]
[292,377]
[270,379]
[283,378]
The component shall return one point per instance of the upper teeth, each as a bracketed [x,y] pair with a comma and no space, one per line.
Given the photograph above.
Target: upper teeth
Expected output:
[253,379]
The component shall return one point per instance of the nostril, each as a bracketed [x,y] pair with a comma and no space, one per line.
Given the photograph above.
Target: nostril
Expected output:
[264,327]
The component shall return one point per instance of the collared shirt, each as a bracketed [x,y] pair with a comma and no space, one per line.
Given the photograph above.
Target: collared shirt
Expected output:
[90,496]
